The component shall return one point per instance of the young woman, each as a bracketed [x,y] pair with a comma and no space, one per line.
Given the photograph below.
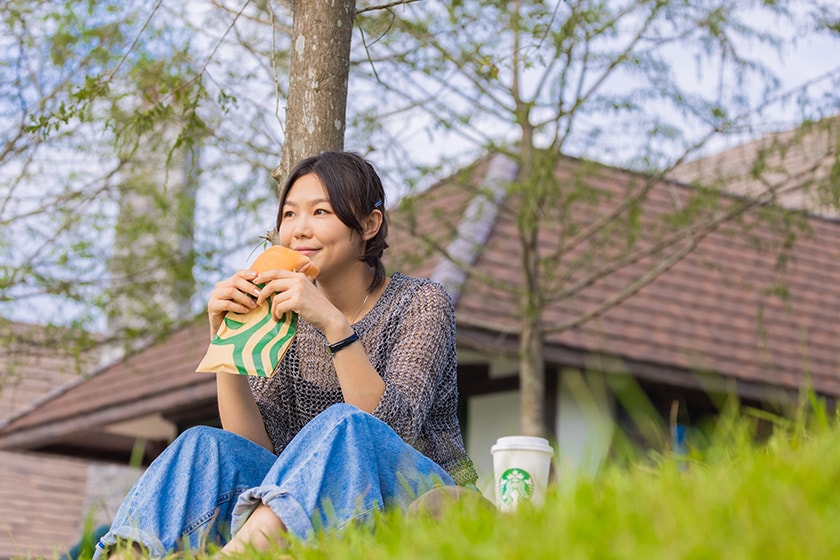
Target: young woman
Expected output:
[361,414]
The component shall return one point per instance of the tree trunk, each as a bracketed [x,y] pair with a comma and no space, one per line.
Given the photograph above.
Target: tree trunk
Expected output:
[531,364]
[532,379]
[316,109]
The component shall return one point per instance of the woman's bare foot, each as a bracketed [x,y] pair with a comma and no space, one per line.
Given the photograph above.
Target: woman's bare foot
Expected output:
[262,531]
[126,551]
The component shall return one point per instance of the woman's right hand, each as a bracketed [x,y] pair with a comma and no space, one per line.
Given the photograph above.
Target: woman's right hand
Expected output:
[237,407]
[232,294]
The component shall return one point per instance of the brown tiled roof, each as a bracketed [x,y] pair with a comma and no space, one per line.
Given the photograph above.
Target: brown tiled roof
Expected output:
[41,502]
[715,311]
[159,379]
[422,226]
[31,369]
[794,162]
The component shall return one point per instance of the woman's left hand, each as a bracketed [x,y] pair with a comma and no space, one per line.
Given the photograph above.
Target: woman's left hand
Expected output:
[294,291]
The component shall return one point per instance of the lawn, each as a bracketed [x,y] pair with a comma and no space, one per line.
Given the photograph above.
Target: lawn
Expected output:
[727,497]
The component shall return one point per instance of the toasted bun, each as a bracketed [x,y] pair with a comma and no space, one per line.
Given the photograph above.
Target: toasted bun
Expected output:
[277,257]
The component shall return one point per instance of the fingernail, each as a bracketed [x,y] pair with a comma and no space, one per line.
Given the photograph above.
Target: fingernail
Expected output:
[256,291]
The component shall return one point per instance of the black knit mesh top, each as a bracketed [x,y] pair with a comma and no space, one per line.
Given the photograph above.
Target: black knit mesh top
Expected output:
[409,336]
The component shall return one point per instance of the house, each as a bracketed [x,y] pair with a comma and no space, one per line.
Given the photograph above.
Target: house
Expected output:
[45,497]
[721,317]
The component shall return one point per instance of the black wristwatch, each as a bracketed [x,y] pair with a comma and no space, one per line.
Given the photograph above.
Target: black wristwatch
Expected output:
[335,347]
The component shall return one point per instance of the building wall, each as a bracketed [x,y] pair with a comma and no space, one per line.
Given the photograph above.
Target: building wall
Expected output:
[107,487]
[489,417]
[46,500]
[584,424]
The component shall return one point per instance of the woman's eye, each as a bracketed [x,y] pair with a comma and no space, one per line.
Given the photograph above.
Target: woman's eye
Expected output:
[321,212]
[288,214]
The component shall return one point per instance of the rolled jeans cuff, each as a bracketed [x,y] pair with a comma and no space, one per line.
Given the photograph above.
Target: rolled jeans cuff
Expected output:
[128,534]
[283,504]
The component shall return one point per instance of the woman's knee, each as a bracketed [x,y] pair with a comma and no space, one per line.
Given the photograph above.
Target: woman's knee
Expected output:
[197,436]
[204,441]
[342,409]
[342,415]
[214,446]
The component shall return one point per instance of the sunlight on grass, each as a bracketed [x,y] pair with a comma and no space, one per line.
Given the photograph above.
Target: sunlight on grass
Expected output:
[728,496]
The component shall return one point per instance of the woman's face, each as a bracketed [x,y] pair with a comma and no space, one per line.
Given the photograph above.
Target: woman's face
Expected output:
[310,225]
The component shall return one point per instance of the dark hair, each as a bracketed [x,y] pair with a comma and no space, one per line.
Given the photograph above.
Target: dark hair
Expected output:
[355,190]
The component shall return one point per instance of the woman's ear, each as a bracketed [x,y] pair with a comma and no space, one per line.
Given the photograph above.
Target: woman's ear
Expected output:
[372,224]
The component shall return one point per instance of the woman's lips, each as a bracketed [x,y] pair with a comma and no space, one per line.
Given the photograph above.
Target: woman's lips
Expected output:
[307,251]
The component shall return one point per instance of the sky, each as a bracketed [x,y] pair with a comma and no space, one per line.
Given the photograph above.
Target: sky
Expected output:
[813,56]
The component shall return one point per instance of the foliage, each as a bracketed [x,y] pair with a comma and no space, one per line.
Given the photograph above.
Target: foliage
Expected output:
[110,101]
[605,82]
[89,91]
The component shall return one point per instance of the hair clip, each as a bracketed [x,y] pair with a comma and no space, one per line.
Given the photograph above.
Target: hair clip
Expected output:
[378,203]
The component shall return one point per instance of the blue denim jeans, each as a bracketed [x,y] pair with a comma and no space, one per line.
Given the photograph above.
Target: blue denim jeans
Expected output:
[342,466]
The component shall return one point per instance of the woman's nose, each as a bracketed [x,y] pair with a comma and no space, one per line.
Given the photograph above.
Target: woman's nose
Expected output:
[302,228]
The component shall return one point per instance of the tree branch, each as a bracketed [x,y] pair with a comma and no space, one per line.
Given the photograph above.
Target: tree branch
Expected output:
[387,6]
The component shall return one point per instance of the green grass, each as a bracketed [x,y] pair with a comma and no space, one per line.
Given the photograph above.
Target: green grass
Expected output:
[729,497]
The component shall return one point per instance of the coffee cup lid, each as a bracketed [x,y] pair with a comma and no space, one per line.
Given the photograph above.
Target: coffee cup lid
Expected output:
[523,443]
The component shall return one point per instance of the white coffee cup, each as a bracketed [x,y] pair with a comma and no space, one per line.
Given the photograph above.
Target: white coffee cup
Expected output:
[520,467]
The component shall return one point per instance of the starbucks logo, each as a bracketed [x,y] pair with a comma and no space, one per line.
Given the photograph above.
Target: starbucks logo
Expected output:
[515,485]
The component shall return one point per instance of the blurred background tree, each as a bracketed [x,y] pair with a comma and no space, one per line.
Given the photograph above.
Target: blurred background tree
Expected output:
[642,85]
[118,117]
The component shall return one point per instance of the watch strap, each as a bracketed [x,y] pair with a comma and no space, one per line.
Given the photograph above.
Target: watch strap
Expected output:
[336,346]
